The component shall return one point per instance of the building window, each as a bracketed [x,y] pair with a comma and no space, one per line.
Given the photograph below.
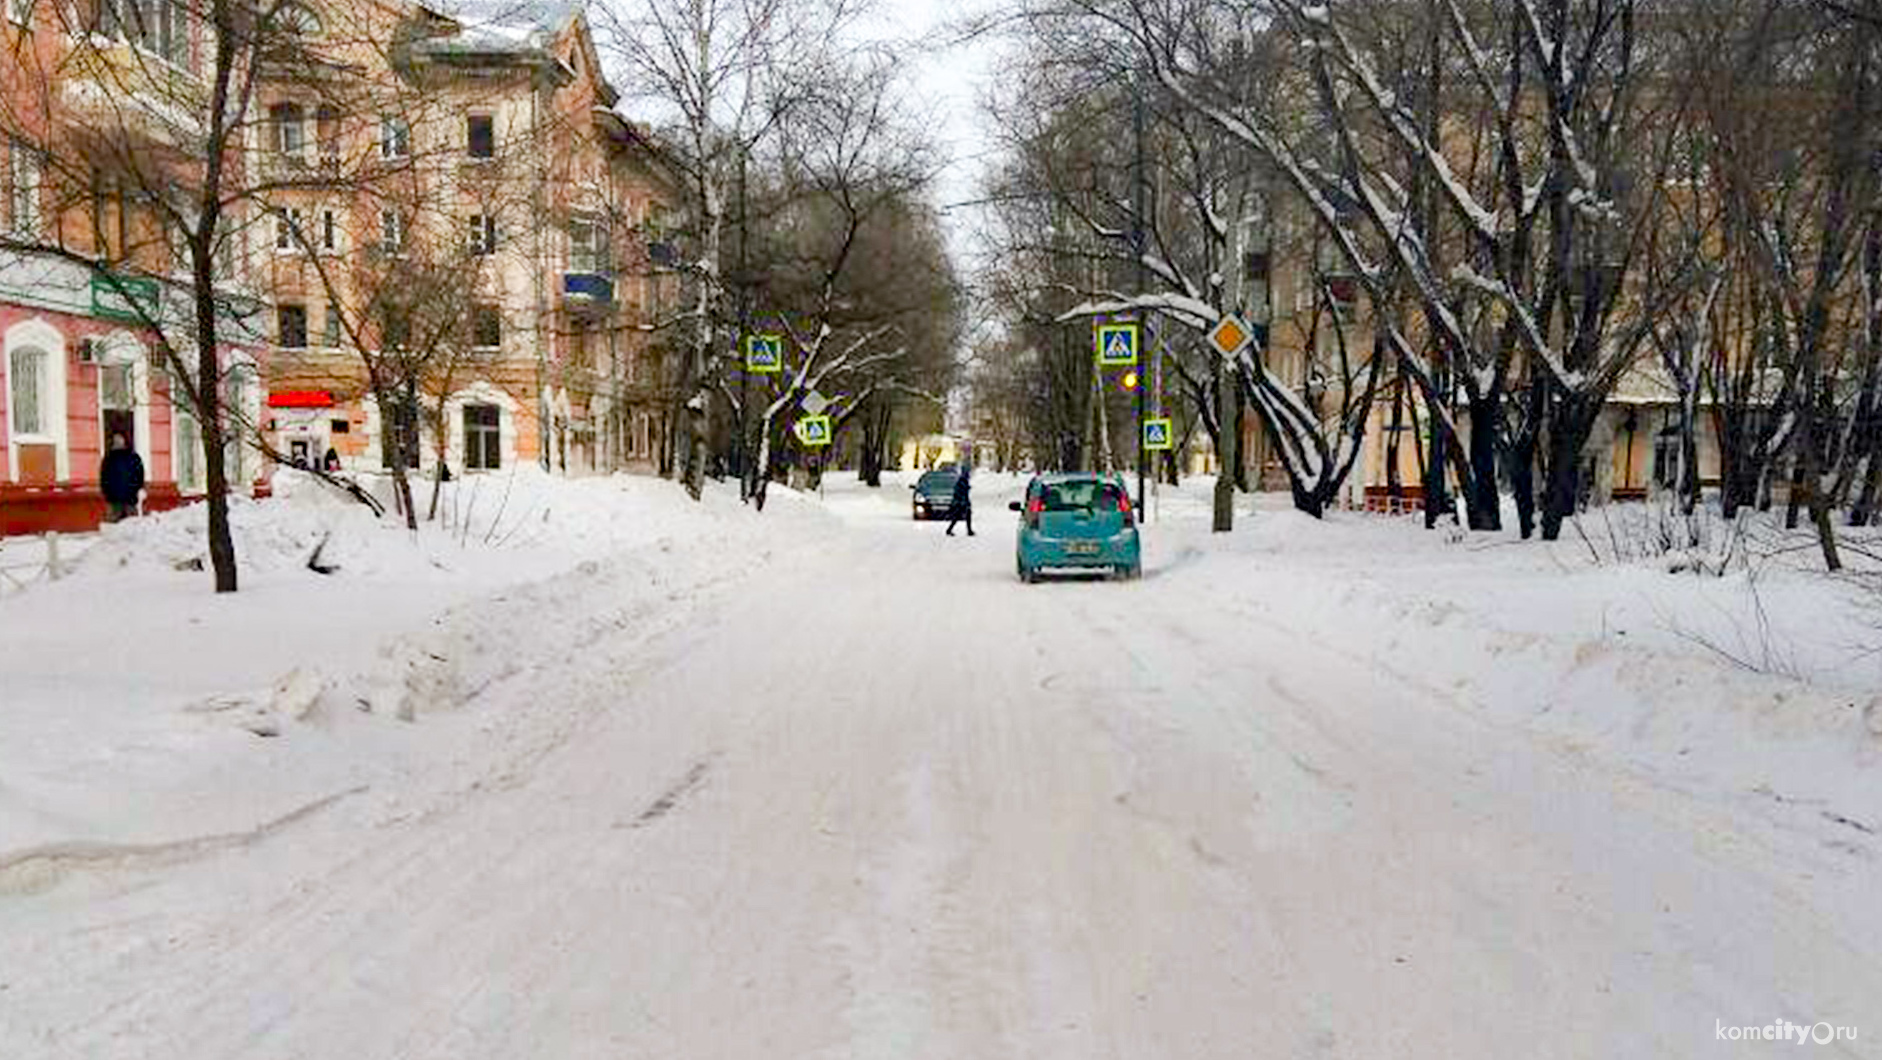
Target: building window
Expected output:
[483,234]
[395,138]
[1666,447]
[486,326]
[189,450]
[26,172]
[236,387]
[400,435]
[480,136]
[330,334]
[588,247]
[291,326]
[117,407]
[289,230]
[483,438]
[157,26]
[329,230]
[290,135]
[327,132]
[27,376]
[391,232]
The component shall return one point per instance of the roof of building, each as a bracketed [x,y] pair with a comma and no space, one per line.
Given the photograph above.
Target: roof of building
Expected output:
[520,28]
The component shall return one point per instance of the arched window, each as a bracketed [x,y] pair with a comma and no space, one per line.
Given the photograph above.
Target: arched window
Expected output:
[26,373]
[297,21]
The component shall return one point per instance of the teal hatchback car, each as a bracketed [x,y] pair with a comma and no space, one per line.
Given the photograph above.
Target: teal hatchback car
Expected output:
[1077,521]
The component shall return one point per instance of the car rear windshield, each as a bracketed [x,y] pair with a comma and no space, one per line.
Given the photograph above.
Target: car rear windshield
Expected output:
[1068,496]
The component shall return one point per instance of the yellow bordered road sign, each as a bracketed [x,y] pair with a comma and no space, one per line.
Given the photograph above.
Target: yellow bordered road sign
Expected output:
[764,353]
[1117,345]
[1158,435]
[813,430]
[1230,335]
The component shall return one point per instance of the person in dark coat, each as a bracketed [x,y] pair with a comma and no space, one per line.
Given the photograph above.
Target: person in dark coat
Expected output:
[961,506]
[121,479]
[330,462]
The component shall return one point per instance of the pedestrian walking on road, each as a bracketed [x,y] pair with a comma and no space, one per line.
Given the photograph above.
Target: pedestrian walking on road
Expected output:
[961,506]
[121,479]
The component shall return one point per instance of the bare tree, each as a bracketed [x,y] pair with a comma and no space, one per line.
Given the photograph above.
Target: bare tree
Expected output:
[728,72]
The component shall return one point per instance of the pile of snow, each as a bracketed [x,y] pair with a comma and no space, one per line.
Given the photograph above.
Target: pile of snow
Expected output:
[1760,685]
[135,695]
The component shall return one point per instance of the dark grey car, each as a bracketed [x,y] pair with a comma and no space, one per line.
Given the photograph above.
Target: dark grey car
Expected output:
[934,493]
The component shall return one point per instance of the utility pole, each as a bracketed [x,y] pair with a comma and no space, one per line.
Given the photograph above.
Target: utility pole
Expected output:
[745,479]
[1137,247]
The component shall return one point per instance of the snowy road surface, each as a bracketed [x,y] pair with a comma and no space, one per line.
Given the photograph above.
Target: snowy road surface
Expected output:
[882,801]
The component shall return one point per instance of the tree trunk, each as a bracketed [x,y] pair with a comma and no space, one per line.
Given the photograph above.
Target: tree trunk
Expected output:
[209,414]
[1482,504]
[1437,494]
[1568,434]
[1523,462]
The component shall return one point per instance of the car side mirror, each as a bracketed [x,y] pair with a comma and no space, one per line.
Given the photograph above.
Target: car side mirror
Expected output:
[1014,506]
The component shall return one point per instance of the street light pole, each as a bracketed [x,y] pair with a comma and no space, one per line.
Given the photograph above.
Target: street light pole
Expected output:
[1137,246]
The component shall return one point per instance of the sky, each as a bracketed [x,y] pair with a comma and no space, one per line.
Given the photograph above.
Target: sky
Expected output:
[947,80]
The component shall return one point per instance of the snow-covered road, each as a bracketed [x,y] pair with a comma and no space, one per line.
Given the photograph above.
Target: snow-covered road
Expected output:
[882,801]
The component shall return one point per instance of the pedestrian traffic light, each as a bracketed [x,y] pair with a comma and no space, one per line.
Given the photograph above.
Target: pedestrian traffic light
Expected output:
[1130,380]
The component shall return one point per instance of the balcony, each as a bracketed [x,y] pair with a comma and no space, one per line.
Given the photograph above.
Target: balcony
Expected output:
[120,91]
[588,292]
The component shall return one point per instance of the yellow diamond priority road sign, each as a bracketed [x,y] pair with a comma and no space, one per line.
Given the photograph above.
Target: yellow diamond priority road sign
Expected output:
[1229,335]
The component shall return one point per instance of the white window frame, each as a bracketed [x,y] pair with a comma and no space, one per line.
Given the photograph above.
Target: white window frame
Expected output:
[171,32]
[483,234]
[392,224]
[26,180]
[278,336]
[280,129]
[121,350]
[186,452]
[38,336]
[493,429]
[395,138]
[329,235]
[331,334]
[477,309]
[288,220]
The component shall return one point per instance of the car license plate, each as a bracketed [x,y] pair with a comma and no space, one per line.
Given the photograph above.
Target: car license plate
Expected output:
[1082,548]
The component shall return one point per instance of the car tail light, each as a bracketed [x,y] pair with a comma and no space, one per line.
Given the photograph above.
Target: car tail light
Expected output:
[1124,505]
[1034,507]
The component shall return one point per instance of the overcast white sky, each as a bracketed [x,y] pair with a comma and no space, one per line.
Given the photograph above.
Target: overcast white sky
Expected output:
[947,82]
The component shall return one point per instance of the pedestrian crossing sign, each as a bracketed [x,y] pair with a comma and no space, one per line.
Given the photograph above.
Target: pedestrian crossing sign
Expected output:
[1157,435]
[1117,345]
[814,430]
[764,353]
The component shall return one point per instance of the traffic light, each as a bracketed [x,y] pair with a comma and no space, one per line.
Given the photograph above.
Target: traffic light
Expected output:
[1129,380]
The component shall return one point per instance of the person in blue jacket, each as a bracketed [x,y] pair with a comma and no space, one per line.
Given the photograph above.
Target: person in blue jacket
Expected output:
[961,505]
[121,479]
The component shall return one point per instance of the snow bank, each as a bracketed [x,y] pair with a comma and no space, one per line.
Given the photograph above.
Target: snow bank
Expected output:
[142,708]
[1759,687]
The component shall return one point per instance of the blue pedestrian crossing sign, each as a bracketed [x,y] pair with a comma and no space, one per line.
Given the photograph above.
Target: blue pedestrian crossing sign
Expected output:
[813,430]
[1157,435]
[764,353]
[1117,345]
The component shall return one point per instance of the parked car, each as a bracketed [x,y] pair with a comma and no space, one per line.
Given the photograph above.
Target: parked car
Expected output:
[1079,521]
[934,493]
